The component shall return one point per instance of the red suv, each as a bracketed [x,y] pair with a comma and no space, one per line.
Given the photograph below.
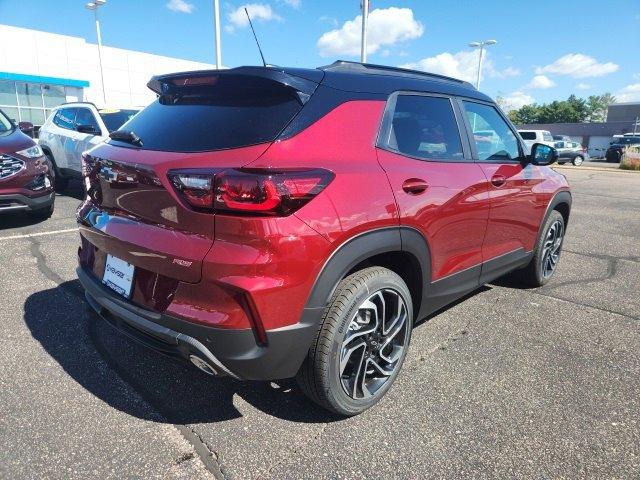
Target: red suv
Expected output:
[26,177]
[266,223]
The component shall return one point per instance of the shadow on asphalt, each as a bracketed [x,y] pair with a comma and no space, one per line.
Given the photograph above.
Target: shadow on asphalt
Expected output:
[82,344]
[89,349]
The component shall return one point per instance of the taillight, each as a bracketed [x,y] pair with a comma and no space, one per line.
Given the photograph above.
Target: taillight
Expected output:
[250,191]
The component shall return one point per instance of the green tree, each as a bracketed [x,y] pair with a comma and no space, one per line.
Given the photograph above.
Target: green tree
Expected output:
[598,105]
[571,110]
[526,114]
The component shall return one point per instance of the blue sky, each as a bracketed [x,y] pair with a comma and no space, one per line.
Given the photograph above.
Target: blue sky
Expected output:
[546,49]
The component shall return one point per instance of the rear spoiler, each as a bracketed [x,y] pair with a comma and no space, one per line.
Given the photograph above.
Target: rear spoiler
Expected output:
[172,83]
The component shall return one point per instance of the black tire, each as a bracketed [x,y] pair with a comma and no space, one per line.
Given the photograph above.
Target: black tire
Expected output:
[577,160]
[43,213]
[533,274]
[60,182]
[319,376]
[614,157]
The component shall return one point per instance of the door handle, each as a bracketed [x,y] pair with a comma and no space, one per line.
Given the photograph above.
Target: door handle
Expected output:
[414,186]
[498,180]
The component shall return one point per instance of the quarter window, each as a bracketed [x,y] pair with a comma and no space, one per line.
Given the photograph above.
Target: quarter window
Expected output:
[65,117]
[425,127]
[493,138]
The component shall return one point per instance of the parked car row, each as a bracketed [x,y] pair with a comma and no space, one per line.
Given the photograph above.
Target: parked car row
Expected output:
[30,172]
[264,223]
[568,150]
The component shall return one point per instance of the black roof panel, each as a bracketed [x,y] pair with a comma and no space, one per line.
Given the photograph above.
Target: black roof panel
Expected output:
[359,77]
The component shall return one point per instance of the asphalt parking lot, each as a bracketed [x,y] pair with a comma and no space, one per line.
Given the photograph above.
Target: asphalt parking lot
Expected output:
[506,383]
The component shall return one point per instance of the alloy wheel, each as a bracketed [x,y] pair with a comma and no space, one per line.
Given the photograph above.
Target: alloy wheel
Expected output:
[551,248]
[374,343]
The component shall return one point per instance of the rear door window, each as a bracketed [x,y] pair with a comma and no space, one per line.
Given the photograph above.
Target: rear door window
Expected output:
[65,118]
[425,127]
[222,112]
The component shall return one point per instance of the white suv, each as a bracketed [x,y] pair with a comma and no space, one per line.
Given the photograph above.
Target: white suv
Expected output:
[536,136]
[73,128]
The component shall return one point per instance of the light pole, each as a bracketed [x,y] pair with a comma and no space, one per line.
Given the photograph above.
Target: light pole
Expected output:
[94,6]
[365,19]
[216,17]
[481,46]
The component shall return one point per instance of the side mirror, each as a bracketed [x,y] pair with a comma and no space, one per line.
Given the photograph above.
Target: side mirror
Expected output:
[542,154]
[90,129]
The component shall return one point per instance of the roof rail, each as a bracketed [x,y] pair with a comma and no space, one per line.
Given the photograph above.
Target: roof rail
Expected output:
[357,67]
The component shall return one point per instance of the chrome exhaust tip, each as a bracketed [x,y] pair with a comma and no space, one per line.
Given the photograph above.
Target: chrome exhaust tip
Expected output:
[202,365]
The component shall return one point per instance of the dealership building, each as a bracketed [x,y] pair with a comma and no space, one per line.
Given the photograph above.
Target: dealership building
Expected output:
[40,70]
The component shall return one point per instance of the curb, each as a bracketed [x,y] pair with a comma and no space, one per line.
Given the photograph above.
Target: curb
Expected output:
[594,169]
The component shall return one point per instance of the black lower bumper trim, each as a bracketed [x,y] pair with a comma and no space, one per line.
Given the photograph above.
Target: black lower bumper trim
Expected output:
[22,202]
[232,352]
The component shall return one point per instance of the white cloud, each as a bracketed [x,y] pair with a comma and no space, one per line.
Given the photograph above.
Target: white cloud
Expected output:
[258,11]
[180,6]
[462,65]
[516,100]
[541,81]
[630,93]
[293,3]
[583,86]
[387,26]
[578,65]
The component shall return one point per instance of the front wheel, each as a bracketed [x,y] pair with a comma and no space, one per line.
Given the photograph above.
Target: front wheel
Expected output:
[60,182]
[546,254]
[361,344]
[577,161]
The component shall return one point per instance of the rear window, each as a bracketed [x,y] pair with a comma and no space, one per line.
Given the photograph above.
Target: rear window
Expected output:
[114,119]
[528,135]
[226,112]
[546,136]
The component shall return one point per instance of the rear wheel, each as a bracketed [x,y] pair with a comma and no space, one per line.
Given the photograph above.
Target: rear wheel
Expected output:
[577,161]
[361,344]
[546,254]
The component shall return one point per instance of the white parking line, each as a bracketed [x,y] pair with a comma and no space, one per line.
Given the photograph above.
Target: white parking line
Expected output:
[38,234]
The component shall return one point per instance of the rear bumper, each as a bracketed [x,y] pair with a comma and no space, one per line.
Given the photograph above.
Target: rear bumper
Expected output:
[229,352]
[16,201]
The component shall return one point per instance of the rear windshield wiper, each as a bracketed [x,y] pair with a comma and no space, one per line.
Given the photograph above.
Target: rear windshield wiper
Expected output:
[126,136]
